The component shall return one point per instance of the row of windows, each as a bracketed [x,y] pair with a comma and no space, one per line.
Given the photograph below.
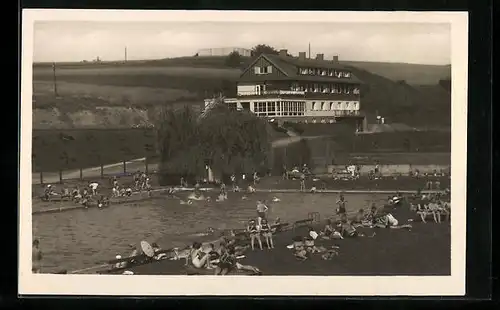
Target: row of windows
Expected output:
[328,106]
[287,108]
[325,72]
[326,88]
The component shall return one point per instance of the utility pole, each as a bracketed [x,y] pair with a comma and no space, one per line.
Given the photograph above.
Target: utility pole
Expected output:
[125,54]
[55,81]
[309,50]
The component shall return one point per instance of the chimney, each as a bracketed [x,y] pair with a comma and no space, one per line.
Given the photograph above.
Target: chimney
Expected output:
[302,55]
[283,53]
[319,57]
[335,58]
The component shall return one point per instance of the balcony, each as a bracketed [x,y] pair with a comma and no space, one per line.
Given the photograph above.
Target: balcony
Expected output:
[297,94]
[271,93]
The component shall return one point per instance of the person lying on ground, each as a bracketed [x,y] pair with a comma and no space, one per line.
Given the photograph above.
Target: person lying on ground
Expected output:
[228,262]
[128,192]
[156,249]
[310,245]
[330,231]
[266,232]
[312,233]
[299,248]
[313,189]
[254,234]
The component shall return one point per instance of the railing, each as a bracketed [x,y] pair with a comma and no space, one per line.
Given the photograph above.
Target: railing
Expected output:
[271,92]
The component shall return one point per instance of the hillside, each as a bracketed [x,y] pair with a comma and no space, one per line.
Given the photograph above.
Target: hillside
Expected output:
[135,87]
[414,74]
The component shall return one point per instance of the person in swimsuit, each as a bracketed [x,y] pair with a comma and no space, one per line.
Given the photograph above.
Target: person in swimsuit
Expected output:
[197,258]
[347,229]
[302,182]
[254,234]
[328,230]
[36,256]
[266,232]
[341,203]
[299,248]
[47,192]
[227,261]
[261,211]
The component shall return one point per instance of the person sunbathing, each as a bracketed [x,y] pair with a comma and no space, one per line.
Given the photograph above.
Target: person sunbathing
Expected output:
[228,262]
[347,229]
[310,245]
[299,249]
[197,259]
[328,230]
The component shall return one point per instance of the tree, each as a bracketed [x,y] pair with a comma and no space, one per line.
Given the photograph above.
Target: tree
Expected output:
[234,141]
[233,60]
[226,140]
[263,49]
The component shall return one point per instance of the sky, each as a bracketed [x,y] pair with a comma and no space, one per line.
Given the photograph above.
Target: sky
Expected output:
[65,41]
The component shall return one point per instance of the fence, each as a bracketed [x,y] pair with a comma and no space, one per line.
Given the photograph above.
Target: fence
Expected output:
[103,171]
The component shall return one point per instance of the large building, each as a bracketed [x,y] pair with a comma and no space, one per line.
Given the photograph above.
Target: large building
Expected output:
[299,89]
[224,51]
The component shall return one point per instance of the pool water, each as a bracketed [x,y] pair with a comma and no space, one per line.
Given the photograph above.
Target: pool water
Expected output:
[84,238]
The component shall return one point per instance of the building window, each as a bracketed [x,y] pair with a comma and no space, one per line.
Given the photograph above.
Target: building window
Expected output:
[271,108]
[323,107]
[303,71]
[332,107]
[263,70]
[313,107]
[323,72]
[355,91]
[260,108]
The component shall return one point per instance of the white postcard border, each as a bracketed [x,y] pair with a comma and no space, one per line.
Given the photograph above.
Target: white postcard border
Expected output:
[46,284]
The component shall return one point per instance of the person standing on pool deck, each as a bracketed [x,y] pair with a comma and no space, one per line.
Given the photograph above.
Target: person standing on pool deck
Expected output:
[36,256]
[341,203]
[261,211]
[302,182]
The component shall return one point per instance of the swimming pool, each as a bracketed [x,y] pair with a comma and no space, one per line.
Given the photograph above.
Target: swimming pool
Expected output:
[81,238]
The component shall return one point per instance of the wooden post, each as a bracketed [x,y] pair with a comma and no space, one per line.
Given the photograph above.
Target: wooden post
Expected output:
[60,176]
[146,165]
[102,171]
[81,174]
[41,177]
[124,167]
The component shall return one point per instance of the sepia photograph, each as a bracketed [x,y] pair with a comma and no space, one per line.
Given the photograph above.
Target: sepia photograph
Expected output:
[293,152]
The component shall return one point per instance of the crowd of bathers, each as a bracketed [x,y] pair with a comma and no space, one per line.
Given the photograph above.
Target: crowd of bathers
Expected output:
[90,195]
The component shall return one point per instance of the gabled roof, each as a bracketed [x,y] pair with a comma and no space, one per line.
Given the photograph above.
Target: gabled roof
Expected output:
[289,65]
